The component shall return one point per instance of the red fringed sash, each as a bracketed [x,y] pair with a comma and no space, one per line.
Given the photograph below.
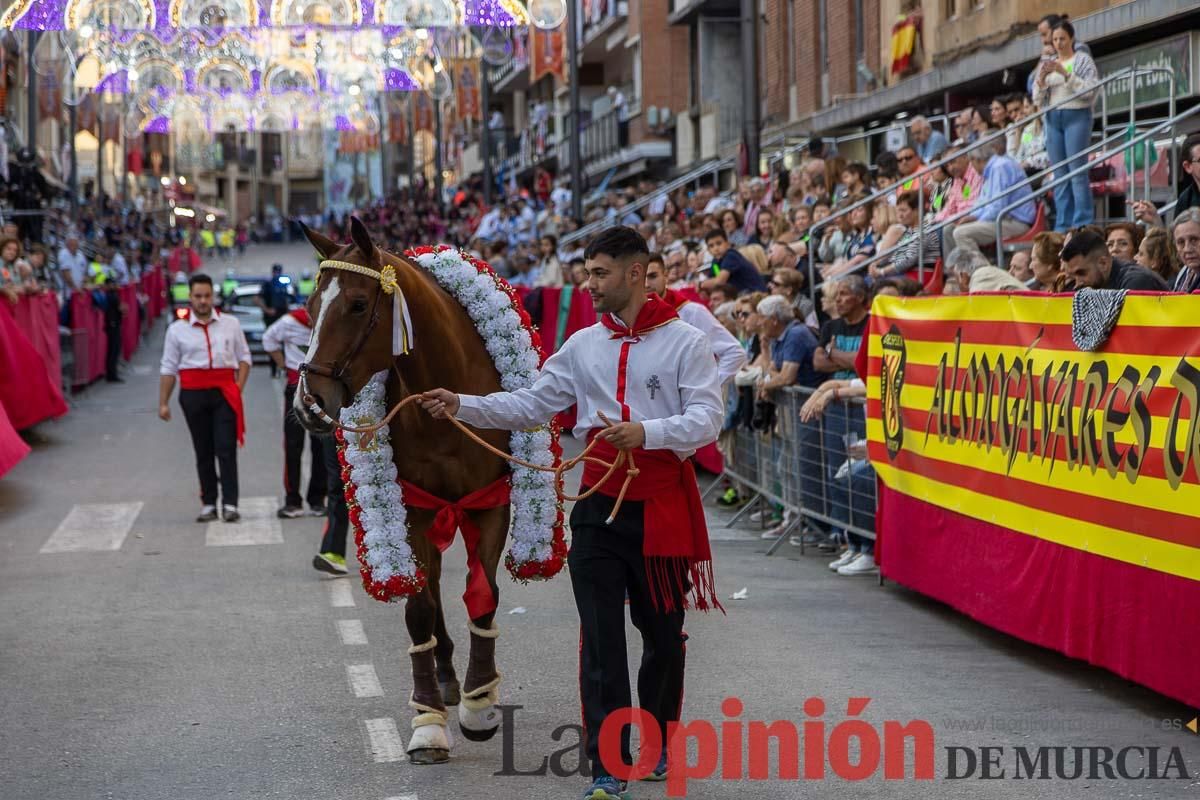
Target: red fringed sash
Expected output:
[675,543]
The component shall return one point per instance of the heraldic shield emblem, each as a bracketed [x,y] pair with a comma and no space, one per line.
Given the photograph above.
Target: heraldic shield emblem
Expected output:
[891,381]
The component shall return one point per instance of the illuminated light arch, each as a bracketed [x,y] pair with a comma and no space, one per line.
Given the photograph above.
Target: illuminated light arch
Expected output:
[517,11]
[419,13]
[128,14]
[316,12]
[291,74]
[219,67]
[213,13]
[159,73]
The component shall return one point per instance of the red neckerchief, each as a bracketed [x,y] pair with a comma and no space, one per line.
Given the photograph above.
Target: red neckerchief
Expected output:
[301,315]
[655,313]
[674,299]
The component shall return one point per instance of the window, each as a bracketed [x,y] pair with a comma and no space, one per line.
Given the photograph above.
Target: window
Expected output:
[949,9]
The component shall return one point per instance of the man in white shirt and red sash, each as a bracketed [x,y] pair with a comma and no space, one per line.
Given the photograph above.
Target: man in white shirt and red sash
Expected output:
[639,364]
[728,351]
[283,340]
[730,354]
[207,352]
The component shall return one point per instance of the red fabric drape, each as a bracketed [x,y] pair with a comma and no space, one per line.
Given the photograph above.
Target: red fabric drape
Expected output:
[1119,616]
[12,446]
[153,285]
[451,516]
[37,317]
[91,341]
[130,323]
[26,391]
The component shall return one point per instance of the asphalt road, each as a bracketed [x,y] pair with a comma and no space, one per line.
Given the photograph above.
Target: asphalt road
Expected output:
[146,657]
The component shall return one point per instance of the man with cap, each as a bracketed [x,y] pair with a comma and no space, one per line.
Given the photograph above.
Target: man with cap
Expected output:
[285,342]
[206,352]
[273,300]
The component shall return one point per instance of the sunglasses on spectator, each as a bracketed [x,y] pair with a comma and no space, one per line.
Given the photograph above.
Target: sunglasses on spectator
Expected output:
[741,314]
[905,158]
[777,283]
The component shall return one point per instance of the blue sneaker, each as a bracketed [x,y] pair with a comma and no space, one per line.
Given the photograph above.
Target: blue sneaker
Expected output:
[660,772]
[606,787]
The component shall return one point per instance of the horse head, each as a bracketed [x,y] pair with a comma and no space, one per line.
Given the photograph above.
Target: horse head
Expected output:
[352,319]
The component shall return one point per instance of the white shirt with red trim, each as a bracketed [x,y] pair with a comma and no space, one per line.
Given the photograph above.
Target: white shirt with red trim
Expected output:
[731,356]
[191,344]
[290,335]
[669,385]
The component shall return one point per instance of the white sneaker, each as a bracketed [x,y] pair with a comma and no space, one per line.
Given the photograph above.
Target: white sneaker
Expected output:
[843,560]
[777,530]
[863,565]
[756,516]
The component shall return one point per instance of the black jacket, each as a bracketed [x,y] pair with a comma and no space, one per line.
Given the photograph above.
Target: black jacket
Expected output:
[1127,275]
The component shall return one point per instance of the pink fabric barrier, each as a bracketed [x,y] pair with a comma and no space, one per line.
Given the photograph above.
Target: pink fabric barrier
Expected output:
[28,394]
[12,446]
[90,341]
[129,324]
[153,286]
[37,317]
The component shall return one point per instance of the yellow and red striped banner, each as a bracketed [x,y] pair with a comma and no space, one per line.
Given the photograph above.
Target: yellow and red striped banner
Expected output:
[983,405]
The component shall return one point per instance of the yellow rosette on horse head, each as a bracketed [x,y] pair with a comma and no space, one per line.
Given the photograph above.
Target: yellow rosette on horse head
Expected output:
[402,327]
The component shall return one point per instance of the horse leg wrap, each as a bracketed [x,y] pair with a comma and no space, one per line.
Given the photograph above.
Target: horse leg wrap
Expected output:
[426,692]
[478,717]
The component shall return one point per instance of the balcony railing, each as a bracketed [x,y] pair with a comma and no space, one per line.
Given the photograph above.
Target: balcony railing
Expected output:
[599,13]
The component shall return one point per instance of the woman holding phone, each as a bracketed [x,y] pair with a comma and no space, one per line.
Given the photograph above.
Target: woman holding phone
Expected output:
[1069,124]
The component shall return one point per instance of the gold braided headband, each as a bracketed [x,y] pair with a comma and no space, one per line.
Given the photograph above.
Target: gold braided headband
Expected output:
[385,276]
[402,327]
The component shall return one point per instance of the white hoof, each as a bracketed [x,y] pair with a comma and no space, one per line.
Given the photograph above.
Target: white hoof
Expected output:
[430,744]
[479,724]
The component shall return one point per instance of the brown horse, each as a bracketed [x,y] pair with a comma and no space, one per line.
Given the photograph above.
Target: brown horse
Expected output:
[351,342]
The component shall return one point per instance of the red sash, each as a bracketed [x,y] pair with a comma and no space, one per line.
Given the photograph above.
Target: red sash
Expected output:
[293,377]
[224,380]
[675,533]
[452,516]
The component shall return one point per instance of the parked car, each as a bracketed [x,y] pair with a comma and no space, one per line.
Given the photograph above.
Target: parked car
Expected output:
[242,304]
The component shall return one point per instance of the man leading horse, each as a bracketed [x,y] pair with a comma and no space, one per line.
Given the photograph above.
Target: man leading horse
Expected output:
[642,365]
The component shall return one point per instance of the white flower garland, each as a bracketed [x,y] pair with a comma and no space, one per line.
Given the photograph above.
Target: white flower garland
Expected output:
[491,304]
[376,506]
[374,497]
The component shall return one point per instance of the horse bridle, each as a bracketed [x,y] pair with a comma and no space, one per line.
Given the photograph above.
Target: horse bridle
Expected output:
[337,372]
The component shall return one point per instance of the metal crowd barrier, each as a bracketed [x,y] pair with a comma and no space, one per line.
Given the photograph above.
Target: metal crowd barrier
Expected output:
[817,470]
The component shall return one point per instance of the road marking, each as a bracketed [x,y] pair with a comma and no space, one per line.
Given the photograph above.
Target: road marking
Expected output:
[258,525]
[352,632]
[402,797]
[339,594]
[363,680]
[386,744]
[93,526]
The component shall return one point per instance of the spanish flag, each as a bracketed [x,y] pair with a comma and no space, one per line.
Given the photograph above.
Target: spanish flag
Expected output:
[1047,491]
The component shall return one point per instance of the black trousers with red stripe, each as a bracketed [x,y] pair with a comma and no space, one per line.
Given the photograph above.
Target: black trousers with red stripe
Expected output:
[606,562]
[293,453]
